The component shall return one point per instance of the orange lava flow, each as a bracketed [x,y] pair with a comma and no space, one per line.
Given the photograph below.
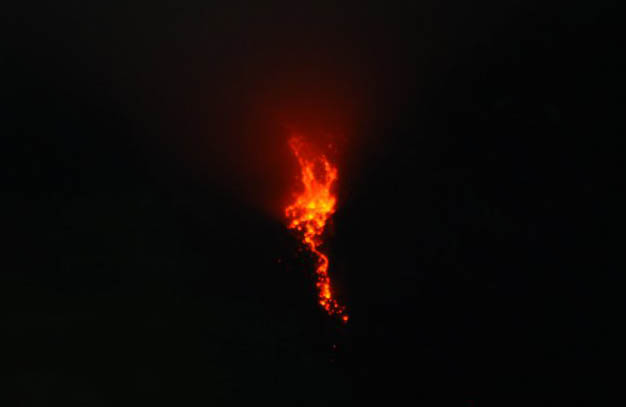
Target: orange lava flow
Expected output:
[309,213]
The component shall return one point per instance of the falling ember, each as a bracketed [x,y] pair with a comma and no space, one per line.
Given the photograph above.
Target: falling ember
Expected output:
[308,214]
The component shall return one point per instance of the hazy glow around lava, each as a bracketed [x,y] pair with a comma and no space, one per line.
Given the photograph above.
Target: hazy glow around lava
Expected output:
[309,213]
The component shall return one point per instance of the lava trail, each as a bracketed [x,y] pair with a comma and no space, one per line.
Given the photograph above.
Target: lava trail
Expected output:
[309,213]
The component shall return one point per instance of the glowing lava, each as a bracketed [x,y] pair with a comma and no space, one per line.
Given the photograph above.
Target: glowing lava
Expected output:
[309,213]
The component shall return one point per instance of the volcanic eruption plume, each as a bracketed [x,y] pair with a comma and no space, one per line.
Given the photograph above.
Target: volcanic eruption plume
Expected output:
[310,211]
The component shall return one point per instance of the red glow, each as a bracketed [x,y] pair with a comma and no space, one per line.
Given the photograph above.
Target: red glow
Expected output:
[309,213]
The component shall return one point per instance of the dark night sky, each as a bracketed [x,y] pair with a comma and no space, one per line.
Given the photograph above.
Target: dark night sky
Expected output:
[476,242]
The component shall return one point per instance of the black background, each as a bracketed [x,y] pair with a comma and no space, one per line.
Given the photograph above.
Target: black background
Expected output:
[477,239]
